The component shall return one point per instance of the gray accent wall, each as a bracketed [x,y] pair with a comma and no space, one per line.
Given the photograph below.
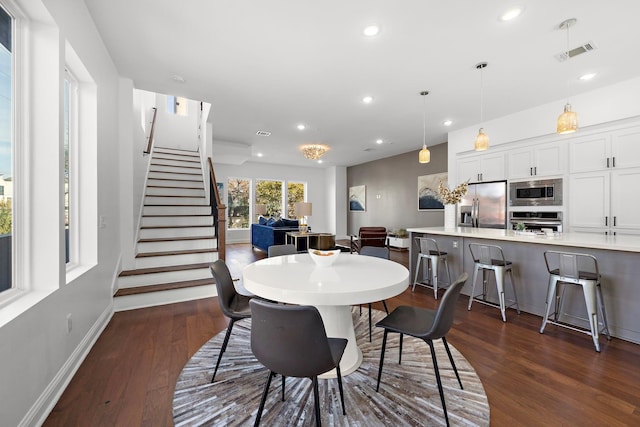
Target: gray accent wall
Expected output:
[392,191]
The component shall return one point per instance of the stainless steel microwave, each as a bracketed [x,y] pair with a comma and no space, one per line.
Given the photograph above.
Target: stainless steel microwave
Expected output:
[542,192]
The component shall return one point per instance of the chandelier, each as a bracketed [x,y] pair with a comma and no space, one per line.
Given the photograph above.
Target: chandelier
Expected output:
[314,151]
[567,121]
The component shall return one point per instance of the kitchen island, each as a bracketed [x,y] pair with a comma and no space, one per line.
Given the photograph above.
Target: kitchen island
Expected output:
[618,259]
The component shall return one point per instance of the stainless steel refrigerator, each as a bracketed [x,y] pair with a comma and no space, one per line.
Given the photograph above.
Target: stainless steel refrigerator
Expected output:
[484,206]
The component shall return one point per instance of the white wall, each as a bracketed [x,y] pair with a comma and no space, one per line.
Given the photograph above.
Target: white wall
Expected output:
[38,356]
[320,192]
[177,131]
[603,105]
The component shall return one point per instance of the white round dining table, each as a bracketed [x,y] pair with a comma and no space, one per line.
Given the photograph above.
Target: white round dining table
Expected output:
[351,280]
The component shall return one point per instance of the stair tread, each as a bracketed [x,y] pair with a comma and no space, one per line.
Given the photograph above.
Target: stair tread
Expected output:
[182,180]
[158,157]
[183,205]
[164,269]
[184,252]
[173,215]
[176,166]
[195,153]
[178,187]
[171,239]
[175,173]
[163,287]
[150,227]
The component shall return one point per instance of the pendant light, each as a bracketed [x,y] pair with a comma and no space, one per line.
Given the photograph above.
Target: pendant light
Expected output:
[568,120]
[482,140]
[425,155]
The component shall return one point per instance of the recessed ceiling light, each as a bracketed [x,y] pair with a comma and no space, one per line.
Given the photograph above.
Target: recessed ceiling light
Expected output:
[371,30]
[259,154]
[319,161]
[367,99]
[379,141]
[301,127]
[447,122]
[512,13]
[588,76]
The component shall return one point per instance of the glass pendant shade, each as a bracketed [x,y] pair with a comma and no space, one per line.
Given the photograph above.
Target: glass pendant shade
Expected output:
[482,141]
[567,121]
[425,155]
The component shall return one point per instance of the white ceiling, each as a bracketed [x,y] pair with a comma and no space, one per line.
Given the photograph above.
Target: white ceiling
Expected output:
[269,65]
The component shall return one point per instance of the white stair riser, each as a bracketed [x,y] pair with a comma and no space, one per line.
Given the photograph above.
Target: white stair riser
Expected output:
[173,183]
[174,162]
[152,233]
[170,221]
[159,200]
[174,169]
[131,302]
[164,277]
[170,191]
[176,210]
[177,177]
[167,260]
[175,245]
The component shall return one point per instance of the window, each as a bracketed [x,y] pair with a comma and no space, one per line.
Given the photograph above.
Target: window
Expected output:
[238,190]
[295,193]
[270,193]
[70,120]
[6,149]
[176,105]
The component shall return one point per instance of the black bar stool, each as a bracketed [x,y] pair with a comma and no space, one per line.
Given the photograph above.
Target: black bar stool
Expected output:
[491,258]
[577,269]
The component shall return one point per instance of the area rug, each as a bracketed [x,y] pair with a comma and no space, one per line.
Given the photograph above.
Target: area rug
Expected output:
[408,392]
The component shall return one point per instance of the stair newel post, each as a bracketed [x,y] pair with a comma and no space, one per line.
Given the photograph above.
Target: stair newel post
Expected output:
[218,211]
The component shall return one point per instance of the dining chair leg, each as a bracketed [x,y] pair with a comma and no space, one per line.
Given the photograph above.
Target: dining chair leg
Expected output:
[344,411]
[384,346]
[400,353]
[224,347]
[316,398]
[438,380]
[453,364]
[283,378]
[264,398]
[369,322]
[384,304]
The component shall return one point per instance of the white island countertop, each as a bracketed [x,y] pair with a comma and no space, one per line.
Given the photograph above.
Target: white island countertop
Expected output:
[628,243]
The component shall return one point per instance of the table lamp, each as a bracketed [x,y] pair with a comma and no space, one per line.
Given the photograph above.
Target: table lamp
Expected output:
[261,210]
[302,210]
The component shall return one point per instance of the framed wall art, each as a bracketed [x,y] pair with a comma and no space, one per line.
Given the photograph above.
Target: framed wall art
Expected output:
[428,191]
[357,198]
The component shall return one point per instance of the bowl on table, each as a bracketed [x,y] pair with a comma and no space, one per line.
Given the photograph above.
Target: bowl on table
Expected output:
[324,258]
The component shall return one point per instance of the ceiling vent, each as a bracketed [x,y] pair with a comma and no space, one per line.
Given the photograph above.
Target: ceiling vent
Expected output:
[587,47]
[369,149]
[263,133]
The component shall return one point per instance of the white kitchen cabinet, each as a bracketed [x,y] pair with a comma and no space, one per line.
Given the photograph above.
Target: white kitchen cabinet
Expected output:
[539,162]
[481,167]
[605,201]
[615,150]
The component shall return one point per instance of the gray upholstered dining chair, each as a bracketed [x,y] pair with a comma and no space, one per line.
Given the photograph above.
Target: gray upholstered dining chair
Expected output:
[277,250]
[290,340]
[233,305]
[428,325]
[378,252]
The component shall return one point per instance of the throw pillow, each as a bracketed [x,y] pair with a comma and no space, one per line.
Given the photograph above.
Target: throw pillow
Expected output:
[270,222]
[262,220]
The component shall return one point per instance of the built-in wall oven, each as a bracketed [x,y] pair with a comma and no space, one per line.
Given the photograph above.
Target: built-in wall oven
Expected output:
[537,221]
[542,192]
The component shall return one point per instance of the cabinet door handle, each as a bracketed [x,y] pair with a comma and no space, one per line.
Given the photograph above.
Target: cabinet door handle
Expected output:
[607,162]
[606,220]
[615,221]
[614,162]
[535,170]
[531,171]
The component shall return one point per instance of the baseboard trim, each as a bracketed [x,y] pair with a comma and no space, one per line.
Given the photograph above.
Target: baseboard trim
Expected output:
[43,406]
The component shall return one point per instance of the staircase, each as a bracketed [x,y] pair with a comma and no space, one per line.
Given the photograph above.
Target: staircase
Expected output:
[176,239]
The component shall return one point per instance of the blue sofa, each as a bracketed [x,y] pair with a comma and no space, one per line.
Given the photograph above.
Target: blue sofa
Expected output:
[271,233]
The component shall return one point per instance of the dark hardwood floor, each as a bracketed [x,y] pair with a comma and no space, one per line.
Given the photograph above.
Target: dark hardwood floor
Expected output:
[530,379]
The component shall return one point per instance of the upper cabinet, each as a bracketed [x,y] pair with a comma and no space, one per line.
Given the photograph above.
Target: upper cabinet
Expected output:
[481,167]
[540,161]
[618,149]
